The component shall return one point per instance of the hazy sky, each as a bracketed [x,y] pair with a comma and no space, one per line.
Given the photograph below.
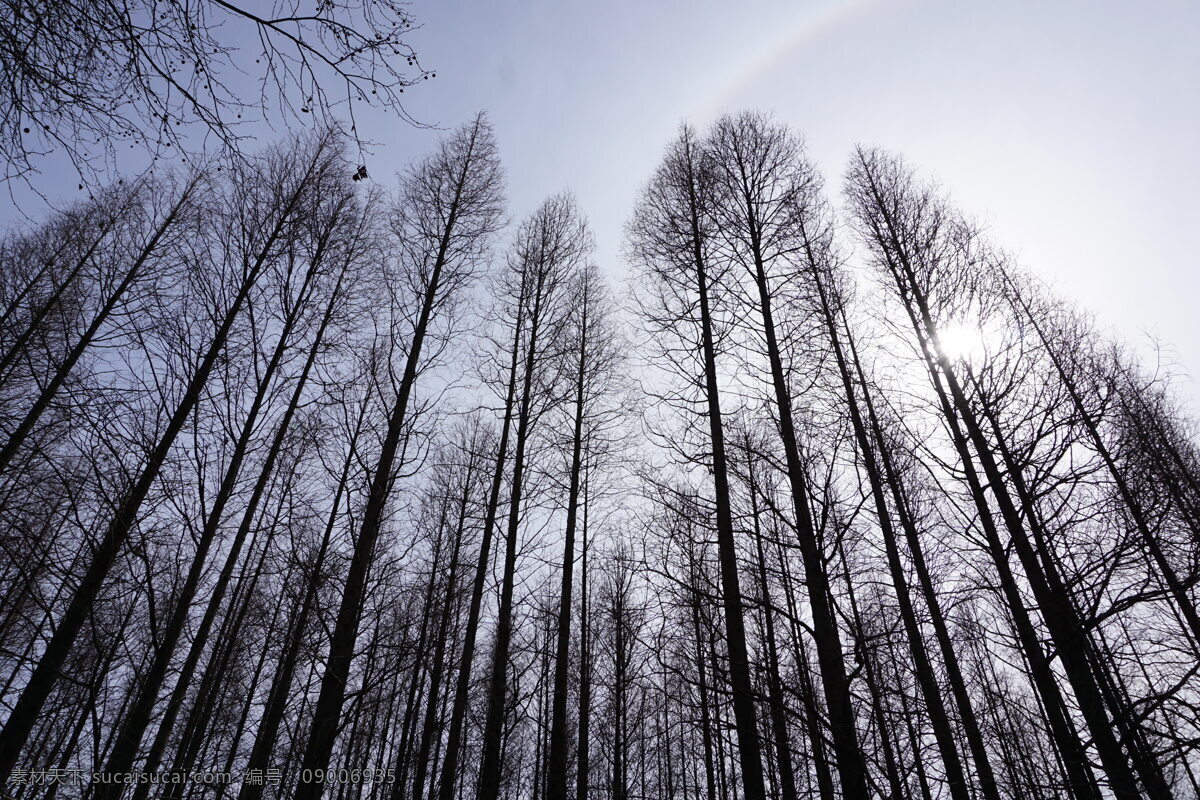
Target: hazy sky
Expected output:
[1071,128]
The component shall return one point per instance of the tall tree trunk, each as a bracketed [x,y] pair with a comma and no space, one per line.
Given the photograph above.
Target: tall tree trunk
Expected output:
[746,719]
[345,631]
[583,764]
[556,764]
[462,687]
[63,369]
[33,697]
[444,625]
[706,717]
[124,752]
[209,696]
[779,724]
[847,753]
[417,673]
[807,691]
[867,659]
[490,767]
[620,785]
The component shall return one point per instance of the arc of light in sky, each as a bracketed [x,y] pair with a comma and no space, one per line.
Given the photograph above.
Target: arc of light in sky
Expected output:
[810,24]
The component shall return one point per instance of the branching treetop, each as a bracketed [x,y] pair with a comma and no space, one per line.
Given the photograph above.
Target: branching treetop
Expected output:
[82,79]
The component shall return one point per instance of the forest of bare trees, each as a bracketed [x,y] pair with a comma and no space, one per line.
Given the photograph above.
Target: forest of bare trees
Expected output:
[315,489]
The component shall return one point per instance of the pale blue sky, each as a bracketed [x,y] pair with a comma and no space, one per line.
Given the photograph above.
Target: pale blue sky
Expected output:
[1070,127]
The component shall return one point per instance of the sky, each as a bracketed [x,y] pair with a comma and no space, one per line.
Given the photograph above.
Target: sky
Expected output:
[1069,128]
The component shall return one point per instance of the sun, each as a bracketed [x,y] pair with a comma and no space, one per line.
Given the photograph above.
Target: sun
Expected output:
[961,341]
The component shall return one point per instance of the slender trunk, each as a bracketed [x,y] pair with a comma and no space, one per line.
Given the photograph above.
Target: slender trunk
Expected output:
[136,721]
[436,672]
[345,630]
[706,721]
[867,659]
[33,697]
[449,774]
[746,719]
[619,784]
[491,766]
[779,725]
[209,697]
[416,676]
[807,692]
[585,664]
[248,700]
[556,765]
[847,753]
[914,746]
[63,370]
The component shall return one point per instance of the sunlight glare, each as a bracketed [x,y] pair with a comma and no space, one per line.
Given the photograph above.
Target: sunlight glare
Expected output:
[962,341]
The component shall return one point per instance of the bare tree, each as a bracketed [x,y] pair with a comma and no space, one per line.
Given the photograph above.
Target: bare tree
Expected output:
[284,188]
[765,190]
[550,246]
[920,530]
[671,241]
[593,375]
[925,251]
[82,79]
[449,208]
